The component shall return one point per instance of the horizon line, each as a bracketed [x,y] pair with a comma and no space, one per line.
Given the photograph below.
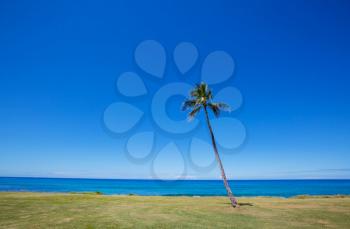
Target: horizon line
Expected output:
[168,179]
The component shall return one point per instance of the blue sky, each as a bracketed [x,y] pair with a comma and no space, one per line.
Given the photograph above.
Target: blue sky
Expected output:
[59,62]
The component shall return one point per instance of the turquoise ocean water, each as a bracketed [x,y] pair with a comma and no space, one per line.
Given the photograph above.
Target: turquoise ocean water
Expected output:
[285,188]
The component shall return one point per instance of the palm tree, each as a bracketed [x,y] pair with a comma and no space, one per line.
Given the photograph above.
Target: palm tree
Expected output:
[201,97]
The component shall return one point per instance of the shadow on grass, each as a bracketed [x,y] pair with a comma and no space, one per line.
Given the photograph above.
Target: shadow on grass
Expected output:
[245,204]
[241,204]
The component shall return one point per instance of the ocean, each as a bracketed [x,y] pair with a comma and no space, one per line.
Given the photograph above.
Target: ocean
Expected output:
[282,188]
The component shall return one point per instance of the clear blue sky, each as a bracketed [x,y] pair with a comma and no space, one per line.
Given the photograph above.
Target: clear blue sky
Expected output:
[59,61]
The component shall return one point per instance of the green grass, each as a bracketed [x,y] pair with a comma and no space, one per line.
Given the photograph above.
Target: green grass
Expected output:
[43,210]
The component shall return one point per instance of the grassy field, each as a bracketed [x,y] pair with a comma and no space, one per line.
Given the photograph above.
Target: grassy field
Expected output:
[43,210]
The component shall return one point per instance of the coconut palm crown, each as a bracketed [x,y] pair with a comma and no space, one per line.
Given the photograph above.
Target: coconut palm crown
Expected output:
[201,97]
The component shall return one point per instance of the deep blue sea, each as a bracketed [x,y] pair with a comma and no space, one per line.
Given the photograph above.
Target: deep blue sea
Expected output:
[285,188]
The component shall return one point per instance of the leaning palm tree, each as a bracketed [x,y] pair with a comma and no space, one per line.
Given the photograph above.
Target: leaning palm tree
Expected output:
[201,97]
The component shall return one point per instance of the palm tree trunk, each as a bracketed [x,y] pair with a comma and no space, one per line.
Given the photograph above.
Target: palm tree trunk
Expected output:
[223,175]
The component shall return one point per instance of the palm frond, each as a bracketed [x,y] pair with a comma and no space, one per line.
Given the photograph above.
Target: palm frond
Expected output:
[224,106]
[195,92]
[215,108]
[194,112]
[210,95]
[218,107]
[203,89]
[190,103]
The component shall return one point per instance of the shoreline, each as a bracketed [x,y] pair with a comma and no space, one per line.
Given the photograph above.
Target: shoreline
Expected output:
[302,196]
